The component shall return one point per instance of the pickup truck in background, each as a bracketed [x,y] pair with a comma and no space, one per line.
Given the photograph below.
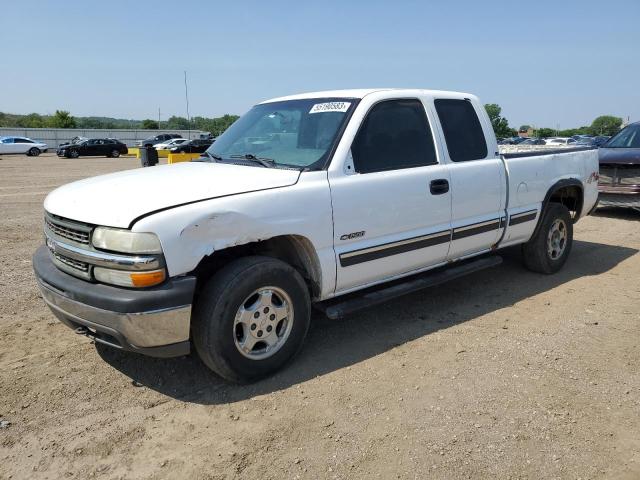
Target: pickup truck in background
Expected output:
[619,183]
[336,199]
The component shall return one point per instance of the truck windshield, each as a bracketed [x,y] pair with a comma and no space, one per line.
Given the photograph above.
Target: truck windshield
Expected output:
[629,137]
[291,133]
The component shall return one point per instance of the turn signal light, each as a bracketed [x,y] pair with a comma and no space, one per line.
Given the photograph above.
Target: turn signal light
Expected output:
[147,279]
[126,278]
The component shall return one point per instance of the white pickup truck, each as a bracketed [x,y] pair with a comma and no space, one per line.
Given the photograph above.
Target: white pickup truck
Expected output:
[303,200]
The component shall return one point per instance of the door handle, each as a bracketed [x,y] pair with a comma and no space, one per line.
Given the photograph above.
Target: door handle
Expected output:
[439,186]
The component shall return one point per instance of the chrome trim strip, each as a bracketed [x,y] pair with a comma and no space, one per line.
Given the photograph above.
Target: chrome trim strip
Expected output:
[141,329]
[395,244]
[103,259]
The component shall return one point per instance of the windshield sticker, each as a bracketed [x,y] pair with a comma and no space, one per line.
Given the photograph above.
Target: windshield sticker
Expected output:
[330,107]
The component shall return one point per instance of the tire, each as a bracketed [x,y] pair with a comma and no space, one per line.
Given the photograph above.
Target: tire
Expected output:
[115,153]
[548,250]
[74,154]
[236,295]
[33,152]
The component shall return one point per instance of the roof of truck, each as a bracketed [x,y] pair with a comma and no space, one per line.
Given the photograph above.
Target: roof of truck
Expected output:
[362,92]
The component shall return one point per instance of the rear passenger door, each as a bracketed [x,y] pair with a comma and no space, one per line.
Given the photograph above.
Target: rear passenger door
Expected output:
[388,221]
[477,178]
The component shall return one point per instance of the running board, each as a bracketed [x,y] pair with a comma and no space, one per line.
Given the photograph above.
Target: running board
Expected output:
[340,308]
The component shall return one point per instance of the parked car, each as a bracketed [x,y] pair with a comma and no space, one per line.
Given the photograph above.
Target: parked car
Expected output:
[512,141]
[560,141]
[95,147]
[74,140]
[163,137]
[534,141]
[578,137]
[196,145]
[304,200]
[594,142]
[22,145]
[167,144]
[619,182]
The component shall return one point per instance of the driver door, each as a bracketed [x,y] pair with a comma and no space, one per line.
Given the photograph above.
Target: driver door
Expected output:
[393,215]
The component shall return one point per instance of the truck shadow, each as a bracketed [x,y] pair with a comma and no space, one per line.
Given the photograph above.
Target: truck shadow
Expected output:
[332,345]
[618,213]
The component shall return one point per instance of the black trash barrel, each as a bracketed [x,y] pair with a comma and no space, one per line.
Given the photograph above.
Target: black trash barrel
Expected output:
[148,156]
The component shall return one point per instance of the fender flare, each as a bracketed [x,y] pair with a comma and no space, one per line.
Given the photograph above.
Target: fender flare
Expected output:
[563,183]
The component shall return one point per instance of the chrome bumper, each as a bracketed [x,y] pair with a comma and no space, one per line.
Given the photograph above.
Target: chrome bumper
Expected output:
[153,322]
[143,329]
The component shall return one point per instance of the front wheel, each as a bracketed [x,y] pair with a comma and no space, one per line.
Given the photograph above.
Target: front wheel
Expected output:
[74,154]
[115,153]
[251,318]
[33,152]
[548,249]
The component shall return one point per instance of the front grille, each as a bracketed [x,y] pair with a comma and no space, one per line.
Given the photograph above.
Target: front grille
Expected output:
[619,175]
[629,176]
[606,175]
[66,229]
[70,262]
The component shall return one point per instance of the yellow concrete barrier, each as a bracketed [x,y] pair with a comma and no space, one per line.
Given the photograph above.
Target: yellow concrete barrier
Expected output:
[163,153]
[181,157]
[133,152]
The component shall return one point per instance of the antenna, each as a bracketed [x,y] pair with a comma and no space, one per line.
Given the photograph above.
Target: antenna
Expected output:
[186,96]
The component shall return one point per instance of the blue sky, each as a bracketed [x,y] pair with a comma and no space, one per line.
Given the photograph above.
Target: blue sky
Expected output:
[545,62]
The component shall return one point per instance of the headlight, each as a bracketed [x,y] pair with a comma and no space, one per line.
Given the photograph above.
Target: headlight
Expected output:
[125,278]
[125,241]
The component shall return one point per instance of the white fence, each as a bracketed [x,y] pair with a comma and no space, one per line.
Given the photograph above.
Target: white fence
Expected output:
[55,136]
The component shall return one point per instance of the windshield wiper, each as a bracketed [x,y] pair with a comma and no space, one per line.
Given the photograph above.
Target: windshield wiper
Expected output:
[212,156]
[265,162]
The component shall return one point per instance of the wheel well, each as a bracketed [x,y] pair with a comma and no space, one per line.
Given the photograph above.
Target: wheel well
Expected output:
[571,196]
[294,250]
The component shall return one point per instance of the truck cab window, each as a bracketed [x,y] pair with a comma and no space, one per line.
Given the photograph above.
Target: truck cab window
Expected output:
[462,130]
[394,135]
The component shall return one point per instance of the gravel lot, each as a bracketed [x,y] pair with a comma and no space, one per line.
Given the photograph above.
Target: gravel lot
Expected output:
[503,374]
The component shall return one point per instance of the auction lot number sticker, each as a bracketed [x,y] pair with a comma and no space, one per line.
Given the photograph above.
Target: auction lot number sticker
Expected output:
[330,107]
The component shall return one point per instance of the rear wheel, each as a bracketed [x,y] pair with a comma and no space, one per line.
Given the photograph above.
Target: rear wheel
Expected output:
[251,318]
[549,248]
[115,154]
[33,152]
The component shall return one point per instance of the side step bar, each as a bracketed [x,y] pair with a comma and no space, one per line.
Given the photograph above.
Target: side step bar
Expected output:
[341,307]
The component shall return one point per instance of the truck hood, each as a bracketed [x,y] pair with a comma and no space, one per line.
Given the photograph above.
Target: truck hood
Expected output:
[117,199]
[625,156]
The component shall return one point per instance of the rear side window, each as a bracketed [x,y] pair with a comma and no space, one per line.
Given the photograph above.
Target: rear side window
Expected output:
[462,130]
[394,135]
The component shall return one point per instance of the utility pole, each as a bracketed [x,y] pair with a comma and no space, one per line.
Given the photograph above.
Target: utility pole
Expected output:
[186,97]
[158,118]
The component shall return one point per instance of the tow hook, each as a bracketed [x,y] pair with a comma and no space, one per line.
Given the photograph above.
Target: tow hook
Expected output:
[81,330]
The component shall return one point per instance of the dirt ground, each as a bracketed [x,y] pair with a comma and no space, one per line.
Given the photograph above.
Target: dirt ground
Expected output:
[502,374]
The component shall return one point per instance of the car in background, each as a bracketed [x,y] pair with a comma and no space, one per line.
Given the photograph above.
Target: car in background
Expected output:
[94,147]
[534,141]
[512,141]
[166,145]
[163,137]
[593,142]
[197,145]
[619,182]
[74,140]
[560,141]
[22,145]
[581,136]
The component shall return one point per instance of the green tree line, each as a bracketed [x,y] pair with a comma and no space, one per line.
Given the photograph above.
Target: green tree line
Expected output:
[602,125]
[64,119]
